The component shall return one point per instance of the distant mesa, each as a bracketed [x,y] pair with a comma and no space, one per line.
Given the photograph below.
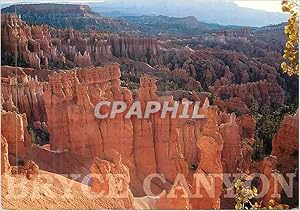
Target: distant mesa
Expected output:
[83,17]
[50,8]
[65,16]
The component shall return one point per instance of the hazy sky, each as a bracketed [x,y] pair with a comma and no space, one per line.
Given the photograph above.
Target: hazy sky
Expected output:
[268,5]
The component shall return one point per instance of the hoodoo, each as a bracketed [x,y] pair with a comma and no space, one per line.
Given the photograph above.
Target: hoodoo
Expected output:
[145,112]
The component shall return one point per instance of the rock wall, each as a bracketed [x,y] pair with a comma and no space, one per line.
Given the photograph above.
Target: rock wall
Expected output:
[71,119]
[82,60]
[31,43]
[106,174]
[285,142]
[25,95]
[42,46]
[210,146]
[285,145]
[134,47]
[5,166]
[234,104]
[174,199]
[231,153]
[13,29]
[169,146]
[263,92]
[13,130]
[268,167]
[11,71]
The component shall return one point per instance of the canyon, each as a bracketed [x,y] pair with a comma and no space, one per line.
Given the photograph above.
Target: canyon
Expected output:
[49,127]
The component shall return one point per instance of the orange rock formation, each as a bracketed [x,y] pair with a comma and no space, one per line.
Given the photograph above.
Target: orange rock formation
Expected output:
[24,94]
[5,166]
[285,142]
[107,174]
[37,45]
[263,92]
[219,143]
[13,130]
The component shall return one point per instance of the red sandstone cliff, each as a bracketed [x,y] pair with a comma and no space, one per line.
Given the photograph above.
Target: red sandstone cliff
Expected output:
[263,92]
[5,166]
[285,144]
[216,144]
[13,130]
[171,148]
[106,174]
[39,45]
[24,94]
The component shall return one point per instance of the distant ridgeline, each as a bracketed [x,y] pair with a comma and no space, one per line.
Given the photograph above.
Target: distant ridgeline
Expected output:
[81,17]
[165,25]
[65,16]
